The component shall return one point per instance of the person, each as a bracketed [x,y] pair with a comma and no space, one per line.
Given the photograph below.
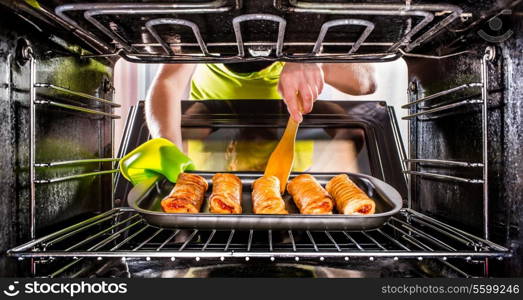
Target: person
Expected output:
[298,84]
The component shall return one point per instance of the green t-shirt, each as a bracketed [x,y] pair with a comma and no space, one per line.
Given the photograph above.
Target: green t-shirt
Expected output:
[215,81]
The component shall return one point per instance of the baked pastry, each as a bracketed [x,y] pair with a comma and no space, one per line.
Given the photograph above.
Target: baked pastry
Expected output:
[226,194]
[349,198]
[187,195]
[266,197]
[310,197]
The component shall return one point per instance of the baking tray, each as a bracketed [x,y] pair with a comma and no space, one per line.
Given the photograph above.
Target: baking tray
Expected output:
[145,198]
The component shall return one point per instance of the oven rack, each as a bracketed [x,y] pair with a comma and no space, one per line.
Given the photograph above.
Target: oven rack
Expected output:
[122,233]
[420,111]
[98,21]
[48,94]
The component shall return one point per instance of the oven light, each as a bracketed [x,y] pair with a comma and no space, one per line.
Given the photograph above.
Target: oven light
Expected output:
[260,52]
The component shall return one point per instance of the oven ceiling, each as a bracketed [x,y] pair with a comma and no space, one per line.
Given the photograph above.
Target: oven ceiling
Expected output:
[240,30]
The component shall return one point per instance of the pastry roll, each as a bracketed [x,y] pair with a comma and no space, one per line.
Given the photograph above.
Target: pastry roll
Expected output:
[266,197]
[349,198]
[226,194]
[187,195]
[310,197]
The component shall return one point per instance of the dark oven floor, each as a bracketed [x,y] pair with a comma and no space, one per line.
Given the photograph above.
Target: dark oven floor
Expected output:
[211,268]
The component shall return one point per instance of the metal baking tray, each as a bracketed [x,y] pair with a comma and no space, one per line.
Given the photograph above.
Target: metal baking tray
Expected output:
[145,198]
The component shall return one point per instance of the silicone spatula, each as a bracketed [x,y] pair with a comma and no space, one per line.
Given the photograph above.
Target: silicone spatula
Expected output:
[281,160]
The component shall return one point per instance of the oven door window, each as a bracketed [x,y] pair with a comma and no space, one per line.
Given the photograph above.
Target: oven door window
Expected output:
[331,149]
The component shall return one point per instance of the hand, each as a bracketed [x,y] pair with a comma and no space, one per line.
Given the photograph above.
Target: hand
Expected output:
[303,80]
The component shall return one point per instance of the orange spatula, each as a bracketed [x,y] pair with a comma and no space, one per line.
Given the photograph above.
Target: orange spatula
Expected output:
[281,160]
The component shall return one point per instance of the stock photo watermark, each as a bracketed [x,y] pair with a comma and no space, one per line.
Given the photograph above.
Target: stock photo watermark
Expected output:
[70,289]
[495,33]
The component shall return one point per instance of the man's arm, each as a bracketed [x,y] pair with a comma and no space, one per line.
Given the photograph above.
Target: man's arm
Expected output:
[351,78]
[301,83]
[163,103]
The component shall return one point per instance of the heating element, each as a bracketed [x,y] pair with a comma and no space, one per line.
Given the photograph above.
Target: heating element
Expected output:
[427,20]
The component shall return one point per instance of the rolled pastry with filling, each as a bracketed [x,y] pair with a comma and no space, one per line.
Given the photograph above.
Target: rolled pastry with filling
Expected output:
[310,197]
[226,197]
[349,198]
[266,197]
[187,195]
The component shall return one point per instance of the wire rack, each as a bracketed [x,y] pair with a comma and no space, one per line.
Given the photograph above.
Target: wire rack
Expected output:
[62,98]
[422,22]
[121,232]
[420,111]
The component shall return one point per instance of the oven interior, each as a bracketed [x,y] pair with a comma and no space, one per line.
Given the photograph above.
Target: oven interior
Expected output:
[64,202]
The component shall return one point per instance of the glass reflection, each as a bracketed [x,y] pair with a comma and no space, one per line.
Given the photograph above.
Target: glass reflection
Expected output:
[248,149]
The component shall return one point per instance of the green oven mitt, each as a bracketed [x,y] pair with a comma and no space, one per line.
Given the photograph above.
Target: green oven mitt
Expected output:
[156,156]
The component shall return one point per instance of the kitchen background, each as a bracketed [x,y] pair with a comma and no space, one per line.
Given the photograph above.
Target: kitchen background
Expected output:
[132,81]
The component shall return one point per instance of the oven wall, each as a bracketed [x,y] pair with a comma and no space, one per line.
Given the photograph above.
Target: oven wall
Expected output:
[457,136]
[509,213]
[60,134]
